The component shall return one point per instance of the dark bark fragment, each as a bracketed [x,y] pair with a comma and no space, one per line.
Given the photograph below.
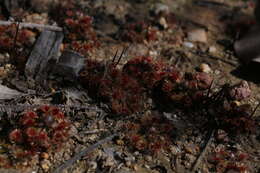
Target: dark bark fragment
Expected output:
[69,64]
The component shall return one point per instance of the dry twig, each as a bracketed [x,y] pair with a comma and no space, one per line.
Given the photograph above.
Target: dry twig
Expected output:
[90,132]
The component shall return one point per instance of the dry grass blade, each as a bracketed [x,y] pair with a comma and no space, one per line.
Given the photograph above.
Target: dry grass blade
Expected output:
[114,58]
[123,52]
[203,152]
[93,131]
[257,106]
[210,88]
[84,152]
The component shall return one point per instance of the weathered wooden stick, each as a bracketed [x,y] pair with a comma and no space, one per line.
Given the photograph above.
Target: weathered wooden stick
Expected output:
[22,107]
[46,48]
[32,25]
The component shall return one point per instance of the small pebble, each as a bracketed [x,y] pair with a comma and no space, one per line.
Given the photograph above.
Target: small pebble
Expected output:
[128,163]
[44,155]
[212,49]
[222,136]
[148,158]
[217,72]
[120,142]
[135,167]
[136,153]
[175,150]
[2,72]
[93,165]
[45,164]
[191,148]
[187,164]
[197,35]
[7,55]
[204,68]
[236,103]
[188,44]
[153,53]
[147,166]
[163,23]
[8,66]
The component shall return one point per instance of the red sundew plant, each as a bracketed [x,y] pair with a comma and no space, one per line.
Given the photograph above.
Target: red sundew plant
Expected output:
[4,162]
[145,70]
[37,131]
[150,134]
[7,37]
[170,89]
[8,34]
[128,97]
[81,29]
[17,44]
[16,136]
[225,160]
[93,76]
[139,32]
[235,118]
[80,35]
[184,91]
[123,93]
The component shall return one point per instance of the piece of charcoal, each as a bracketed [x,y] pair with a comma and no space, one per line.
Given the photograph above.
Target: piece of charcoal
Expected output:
[69,64]
[45,50]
